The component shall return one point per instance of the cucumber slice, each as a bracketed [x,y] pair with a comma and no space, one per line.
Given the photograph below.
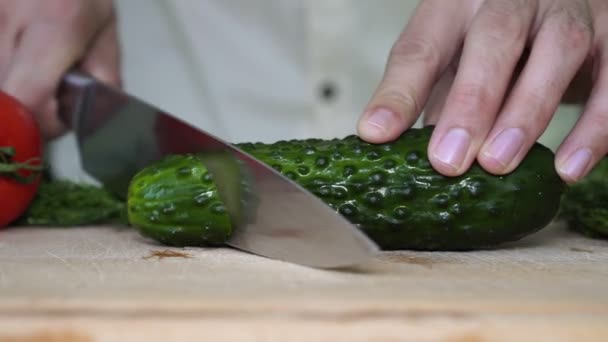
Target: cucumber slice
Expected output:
[176,200]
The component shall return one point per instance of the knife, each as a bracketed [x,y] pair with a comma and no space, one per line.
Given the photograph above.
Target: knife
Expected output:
[118,134]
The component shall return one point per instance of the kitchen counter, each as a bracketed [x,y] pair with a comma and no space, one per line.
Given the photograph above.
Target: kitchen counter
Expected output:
[110,284]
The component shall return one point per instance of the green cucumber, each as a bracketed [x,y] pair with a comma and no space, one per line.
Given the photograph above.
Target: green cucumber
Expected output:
[390,191]
[176,200]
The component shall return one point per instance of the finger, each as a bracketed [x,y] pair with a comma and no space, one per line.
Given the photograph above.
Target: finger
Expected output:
[9,32]
[51,127]
[493,46]
[559,49]
[587,143]
[416,61]
[438,97]
[103,59]
[44,54]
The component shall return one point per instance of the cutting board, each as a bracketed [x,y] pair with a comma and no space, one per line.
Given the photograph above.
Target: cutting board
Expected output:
[110,284]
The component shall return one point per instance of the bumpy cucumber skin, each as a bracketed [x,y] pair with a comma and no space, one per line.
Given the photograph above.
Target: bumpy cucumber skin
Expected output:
[392,193]
[176,202]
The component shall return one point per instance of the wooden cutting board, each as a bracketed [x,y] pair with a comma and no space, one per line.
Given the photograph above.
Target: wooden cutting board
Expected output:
[109,284]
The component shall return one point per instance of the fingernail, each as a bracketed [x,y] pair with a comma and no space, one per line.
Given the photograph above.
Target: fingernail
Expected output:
[453,147]
[506,145]
[577,163]
[380,120]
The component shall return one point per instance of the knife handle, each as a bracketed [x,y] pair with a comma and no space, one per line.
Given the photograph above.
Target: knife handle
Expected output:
[73,94]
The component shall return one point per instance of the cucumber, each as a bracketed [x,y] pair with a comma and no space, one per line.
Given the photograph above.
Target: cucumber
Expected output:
[391,192]
[176,200]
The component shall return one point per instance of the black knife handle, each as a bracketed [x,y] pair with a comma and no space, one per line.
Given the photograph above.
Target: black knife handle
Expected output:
[73,94]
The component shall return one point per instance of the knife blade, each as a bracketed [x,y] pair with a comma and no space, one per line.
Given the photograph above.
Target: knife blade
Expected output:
[118,134]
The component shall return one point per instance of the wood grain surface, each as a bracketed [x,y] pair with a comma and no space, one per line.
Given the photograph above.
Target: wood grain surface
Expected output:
[110,284]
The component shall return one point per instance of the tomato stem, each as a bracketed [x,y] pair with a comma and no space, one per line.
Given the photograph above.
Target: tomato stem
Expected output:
[12,169]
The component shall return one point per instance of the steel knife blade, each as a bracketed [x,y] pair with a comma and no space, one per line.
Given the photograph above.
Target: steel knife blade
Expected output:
[119,134]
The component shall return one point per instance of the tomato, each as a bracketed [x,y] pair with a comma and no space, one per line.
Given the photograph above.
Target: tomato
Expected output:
[21,146]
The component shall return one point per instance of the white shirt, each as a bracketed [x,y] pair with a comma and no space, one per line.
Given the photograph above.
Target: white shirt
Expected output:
[257,70]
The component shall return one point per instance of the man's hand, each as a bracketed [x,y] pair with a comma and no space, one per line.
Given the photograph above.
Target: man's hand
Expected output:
[41,39]
[490,75]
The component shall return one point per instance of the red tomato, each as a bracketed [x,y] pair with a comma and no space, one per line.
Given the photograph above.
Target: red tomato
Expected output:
[18,130]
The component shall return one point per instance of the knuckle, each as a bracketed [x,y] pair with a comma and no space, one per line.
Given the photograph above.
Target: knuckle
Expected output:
[577,35]
[537,103]
[415,50]
[502,21]
[505,31]
[574,25]
[472,98]
[600,121]
[400,98]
